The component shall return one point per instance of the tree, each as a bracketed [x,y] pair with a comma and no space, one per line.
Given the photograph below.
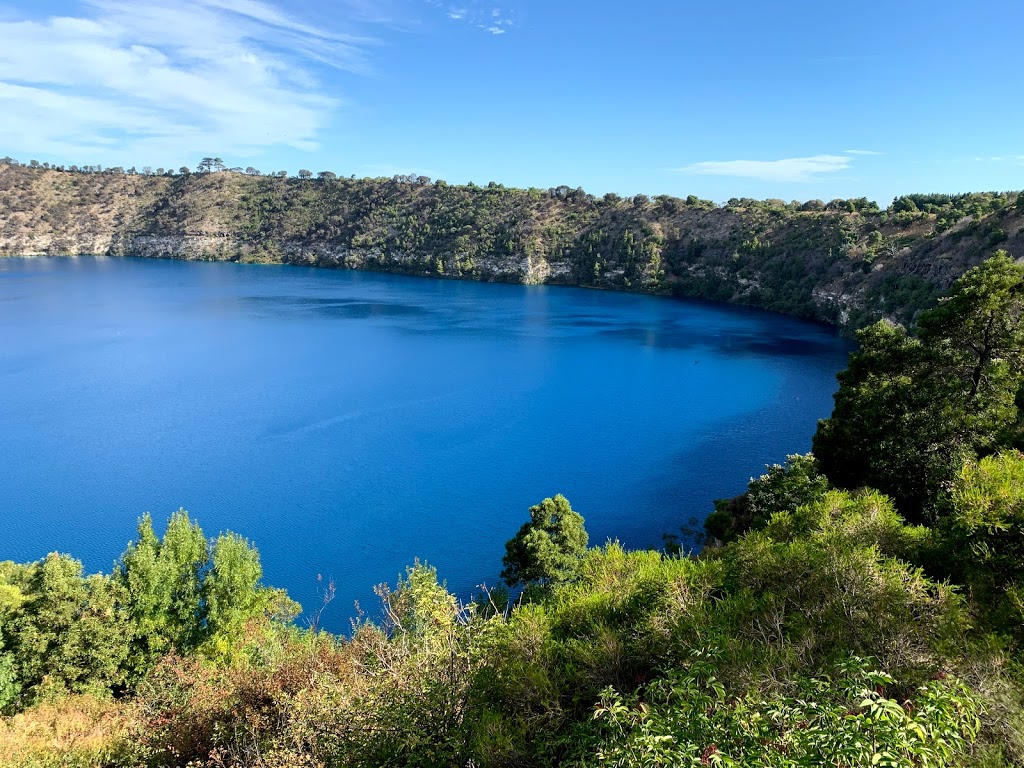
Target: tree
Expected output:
[881,432]
[986,529]
[903,204]
[250,171]
[979,328]
[162,580]
[231,590]
[327,176]
[305,174]
[547,548]
[910,411]
[780,489]
[210,164]
[67,634]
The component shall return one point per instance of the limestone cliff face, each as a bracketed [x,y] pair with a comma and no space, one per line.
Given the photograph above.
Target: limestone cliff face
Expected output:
[846,263]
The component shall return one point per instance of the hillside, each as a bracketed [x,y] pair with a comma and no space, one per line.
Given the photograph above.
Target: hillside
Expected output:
[844,262]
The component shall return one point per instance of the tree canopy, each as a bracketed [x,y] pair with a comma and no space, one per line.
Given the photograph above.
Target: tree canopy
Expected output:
[547,548]
[911,409]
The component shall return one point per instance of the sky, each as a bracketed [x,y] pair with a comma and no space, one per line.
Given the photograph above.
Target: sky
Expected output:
[787,99]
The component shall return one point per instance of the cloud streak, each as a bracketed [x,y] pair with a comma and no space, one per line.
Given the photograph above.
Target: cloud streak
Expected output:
[793,169]
[163,80]
[479,14]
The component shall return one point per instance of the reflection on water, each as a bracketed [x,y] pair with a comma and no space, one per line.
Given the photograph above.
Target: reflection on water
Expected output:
[349,422]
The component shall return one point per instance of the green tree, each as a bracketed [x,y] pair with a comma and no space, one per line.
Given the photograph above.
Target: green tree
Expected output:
[909,411]
[986,530]
[782,488]
[68,634]
[977,334]
[184,550]
[548,547]
[231,591]
[210,164]
[162,583]
[886,430]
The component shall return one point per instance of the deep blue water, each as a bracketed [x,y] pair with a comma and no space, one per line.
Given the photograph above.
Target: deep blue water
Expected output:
[349,422]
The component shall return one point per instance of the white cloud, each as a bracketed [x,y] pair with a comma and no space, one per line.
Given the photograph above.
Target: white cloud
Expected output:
[1016,159]
[479,14]
[861,152]
[155,82]
[794,169]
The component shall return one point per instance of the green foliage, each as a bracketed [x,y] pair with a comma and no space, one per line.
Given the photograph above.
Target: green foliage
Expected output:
[612,666]
[231,591]
[909,410]
[67,634]
[10,685]
[546,549]
[687,719]
[63,632]
[976,335]
[782,488]
[787,487]
[986,529]
[888,429]
[162,579]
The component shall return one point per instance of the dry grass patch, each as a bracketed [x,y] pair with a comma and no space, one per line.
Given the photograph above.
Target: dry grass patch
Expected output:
[76,732]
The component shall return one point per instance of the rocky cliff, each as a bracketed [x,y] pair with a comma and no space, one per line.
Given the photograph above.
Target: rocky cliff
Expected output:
[845,262]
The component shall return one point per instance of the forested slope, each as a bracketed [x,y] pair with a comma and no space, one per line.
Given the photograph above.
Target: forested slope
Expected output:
[843,262]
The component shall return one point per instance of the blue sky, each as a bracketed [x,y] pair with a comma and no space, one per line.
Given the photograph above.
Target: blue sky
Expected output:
[793,99]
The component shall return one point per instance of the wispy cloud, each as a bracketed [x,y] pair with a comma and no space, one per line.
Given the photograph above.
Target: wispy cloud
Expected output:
[479,14]
[793,169]
[861,152]
[124,80]
[1015,159]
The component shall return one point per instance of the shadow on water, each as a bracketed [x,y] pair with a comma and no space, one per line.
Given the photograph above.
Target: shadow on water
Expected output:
[356,309]
[726,342]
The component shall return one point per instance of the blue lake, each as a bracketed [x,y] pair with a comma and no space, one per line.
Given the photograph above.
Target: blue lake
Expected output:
[349,422]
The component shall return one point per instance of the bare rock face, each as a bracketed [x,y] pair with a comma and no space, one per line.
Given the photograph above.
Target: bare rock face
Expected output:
[845,262]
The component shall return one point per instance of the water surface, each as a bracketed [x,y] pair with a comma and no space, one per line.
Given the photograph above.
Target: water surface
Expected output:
[349,422]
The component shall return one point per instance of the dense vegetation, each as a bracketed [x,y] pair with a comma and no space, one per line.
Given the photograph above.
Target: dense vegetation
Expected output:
[845,262]
[816,626]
